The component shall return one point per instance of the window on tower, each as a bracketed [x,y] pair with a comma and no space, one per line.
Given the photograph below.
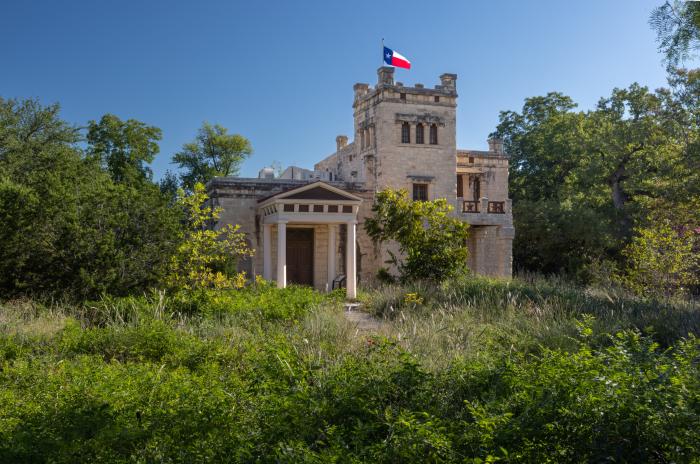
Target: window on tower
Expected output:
[405,133]
[420,192]
[433,134]
[419,133]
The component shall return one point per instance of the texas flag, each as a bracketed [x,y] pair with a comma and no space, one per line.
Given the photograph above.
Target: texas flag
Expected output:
[395,59]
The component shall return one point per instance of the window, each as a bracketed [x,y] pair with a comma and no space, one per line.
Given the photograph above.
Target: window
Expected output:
[419,133]
[460,186]
[476,184]
[405,133]
[437,99]
[433,134]
[402,96]
[471,159]
[420,192]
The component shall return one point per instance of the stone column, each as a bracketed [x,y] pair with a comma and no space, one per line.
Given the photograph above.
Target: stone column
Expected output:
[350,261]
[267,251]
[281,254]
[332,231]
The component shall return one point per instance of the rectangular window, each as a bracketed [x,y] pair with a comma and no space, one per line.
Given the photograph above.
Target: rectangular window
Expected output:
[433,134]
[420,192]
[303,208]
[460,186]
[405,133]
[318,208]
[437,99]
[419,133]
[402,96]
[347,208]
[332,208]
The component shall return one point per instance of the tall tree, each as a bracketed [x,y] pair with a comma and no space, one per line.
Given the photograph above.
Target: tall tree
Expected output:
[123,148]
[66,227]
[583,181]
[677,25]
[213,153]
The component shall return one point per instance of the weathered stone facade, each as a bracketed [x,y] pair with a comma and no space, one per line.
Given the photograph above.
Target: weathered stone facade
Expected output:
[405,137]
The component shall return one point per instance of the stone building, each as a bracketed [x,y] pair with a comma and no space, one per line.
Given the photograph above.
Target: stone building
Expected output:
[307,225]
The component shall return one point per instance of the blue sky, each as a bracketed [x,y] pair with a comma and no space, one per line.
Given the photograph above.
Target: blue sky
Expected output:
[281,72]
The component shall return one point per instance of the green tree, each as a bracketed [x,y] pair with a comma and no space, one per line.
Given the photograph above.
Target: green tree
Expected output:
[214,153]
[68,228]
[203,259]
[662,260]
[677,26]
[432,242]
[123,148]
[582,181]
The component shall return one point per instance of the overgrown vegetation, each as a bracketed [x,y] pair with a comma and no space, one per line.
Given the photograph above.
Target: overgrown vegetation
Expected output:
[432,242]
[273,375]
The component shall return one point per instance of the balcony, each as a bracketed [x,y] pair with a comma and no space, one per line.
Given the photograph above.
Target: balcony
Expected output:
[484,212]
[492,207]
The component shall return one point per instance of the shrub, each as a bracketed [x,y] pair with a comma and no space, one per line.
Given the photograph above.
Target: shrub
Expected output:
[433,243]
[203,259]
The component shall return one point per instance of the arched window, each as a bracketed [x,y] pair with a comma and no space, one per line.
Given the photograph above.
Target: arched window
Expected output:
[405,133]
[433,134]
[419,133]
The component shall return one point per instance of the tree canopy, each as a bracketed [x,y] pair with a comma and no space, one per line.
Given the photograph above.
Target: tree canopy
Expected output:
[213,153]
[677,26]
[584,181]
[123,148]
[74,225]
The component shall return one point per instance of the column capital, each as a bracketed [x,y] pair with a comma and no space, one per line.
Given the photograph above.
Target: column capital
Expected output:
[281,222]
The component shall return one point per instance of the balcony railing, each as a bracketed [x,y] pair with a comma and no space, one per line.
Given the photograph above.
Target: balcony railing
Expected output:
[492,207]
[497,207]
[470,207]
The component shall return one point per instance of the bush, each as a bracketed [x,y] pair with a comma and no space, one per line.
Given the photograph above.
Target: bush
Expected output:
[432,242]
[629,402]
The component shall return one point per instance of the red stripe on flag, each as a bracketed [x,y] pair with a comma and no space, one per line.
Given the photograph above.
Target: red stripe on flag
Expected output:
[399,63]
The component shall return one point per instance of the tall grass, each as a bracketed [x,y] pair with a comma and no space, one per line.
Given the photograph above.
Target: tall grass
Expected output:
[476,316]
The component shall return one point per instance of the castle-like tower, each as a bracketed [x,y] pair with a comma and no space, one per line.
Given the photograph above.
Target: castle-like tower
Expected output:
[405,137]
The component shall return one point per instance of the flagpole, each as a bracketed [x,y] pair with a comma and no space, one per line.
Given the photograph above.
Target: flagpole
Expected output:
[382,51]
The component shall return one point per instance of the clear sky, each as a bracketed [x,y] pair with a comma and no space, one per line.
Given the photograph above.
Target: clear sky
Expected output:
[281,72]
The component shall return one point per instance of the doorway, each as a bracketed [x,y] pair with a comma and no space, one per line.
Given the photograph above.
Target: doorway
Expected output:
[300,256]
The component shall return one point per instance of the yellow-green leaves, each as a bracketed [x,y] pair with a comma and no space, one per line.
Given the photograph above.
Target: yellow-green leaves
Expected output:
[207,254]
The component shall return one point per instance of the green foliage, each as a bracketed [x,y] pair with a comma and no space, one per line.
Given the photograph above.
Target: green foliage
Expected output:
[677,26]
[203,258]
[582,181]
[226,387]
[432,241]
[214,153]
[71,230]
[662,261]
[123,148]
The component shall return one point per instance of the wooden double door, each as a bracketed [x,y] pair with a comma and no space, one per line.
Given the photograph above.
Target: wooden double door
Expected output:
[300,256]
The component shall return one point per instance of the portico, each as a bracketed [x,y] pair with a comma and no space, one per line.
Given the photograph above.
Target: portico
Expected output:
[303,219]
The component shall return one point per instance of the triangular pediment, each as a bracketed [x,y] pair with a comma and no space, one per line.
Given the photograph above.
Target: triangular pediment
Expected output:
[315,191]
